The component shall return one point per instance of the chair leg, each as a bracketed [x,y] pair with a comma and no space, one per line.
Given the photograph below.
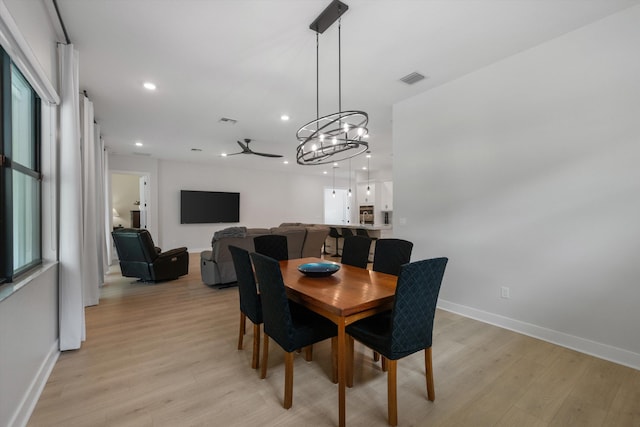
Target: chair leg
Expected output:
[334,360]
[376,356]
[428,367]
[255,359]
[288,380]
[384,364]
[350,355]
[308,353]
[392,387]
[243,320]
[265,356]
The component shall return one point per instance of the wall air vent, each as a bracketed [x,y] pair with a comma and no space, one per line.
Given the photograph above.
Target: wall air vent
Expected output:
[228,121]
[412,78]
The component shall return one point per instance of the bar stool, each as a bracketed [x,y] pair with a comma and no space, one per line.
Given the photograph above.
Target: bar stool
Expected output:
[333,232]
[364,233]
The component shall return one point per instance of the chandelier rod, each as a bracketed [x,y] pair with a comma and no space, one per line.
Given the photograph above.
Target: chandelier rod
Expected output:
[317,77]
[339,65]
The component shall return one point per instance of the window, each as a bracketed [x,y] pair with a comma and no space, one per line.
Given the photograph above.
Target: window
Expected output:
[20,178]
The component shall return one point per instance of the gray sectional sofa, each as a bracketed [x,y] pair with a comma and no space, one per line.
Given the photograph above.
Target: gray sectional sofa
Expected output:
[216,265]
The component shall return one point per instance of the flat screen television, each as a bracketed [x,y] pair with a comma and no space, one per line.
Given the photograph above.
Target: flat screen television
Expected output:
[204,207]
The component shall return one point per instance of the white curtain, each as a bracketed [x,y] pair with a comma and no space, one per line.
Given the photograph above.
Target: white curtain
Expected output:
[82,236]
[92,274]
[105,233]
[71,305]
[108,215]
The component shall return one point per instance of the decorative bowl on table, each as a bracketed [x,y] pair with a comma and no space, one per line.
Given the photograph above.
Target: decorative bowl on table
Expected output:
[318,269]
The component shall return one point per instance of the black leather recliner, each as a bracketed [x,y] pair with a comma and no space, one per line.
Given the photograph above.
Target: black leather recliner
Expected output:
[140,258]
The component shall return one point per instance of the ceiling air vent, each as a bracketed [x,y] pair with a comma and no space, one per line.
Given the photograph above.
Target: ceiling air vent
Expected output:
[137,153]
[412,78]
[228,121]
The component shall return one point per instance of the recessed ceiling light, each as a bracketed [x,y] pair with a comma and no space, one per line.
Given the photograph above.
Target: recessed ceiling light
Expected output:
[364,168]
[138,144]
[149,86]
[223,154]
[286,162]
[368,156]
[284,117]
[325,172]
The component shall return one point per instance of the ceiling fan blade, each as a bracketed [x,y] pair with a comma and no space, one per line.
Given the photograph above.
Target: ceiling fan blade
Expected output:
[266,154]
[233,154]
[243,146]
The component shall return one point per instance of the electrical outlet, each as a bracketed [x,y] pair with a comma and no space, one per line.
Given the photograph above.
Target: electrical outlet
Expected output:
[504,292]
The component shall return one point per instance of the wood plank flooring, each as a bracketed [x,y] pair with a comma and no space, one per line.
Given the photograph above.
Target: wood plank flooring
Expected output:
[165,355]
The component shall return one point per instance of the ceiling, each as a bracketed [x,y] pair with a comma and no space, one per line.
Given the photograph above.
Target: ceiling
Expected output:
[254,60]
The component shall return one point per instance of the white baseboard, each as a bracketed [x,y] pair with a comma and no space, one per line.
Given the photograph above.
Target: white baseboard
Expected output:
[30,399]
[602,351]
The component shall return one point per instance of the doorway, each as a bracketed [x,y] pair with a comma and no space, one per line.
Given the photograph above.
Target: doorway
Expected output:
[125,200]
[337,207]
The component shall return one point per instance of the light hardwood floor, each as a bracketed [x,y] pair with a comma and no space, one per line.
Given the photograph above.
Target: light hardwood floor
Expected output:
[165,355]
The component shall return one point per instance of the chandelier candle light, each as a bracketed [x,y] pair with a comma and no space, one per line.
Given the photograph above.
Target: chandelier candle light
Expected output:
[337,136]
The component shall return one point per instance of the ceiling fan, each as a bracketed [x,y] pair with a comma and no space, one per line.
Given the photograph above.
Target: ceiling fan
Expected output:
[247,150]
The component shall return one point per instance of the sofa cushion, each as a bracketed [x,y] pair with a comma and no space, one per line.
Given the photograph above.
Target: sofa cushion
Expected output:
[314,240]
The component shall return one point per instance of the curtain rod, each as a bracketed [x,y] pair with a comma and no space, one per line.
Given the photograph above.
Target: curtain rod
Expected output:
[64,29]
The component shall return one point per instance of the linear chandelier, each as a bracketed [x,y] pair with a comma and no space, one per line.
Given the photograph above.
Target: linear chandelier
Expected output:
[337,136]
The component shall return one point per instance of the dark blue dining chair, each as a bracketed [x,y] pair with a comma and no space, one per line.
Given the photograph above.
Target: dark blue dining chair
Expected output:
[407,328]
[355,251]
[391,254]
[250,305]
[289,324]
[272,245]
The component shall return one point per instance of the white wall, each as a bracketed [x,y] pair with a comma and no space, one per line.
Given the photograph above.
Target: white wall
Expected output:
[525,174]
[29,345]
[266,199]
[39,31]
[29,316]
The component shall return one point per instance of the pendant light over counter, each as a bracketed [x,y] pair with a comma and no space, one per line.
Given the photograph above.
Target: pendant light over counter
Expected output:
[337,136]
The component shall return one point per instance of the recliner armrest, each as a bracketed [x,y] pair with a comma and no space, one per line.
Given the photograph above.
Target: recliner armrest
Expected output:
[172,252]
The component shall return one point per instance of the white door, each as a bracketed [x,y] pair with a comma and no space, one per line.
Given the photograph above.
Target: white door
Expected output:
[337,208]
[144,200]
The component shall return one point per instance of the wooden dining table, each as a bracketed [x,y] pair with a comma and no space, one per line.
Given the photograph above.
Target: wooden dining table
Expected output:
[350,294]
